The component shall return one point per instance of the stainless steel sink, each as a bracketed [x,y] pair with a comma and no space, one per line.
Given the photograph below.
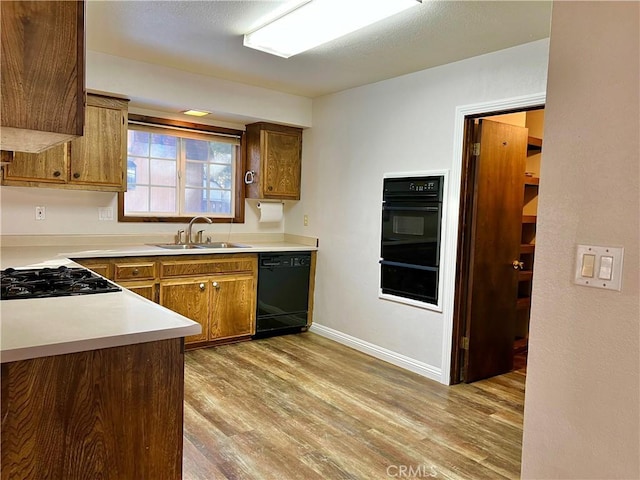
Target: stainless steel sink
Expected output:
[212,245]
[175,246]
[222,245]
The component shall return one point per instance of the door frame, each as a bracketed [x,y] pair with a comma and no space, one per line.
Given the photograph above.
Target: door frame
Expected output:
[452,325]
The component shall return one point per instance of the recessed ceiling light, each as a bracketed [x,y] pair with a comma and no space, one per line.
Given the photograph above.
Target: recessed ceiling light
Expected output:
[319,21]
[196,113]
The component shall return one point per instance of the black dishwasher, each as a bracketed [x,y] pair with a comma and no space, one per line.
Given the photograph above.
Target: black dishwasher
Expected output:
[283,293]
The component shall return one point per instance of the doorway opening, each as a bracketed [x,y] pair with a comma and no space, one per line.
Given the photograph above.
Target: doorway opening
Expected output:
[500,177]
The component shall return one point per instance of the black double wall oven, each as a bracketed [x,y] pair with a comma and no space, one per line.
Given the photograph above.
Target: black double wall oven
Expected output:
[411,231]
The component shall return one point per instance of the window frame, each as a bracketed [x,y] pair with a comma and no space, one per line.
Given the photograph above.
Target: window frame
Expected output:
[241,156]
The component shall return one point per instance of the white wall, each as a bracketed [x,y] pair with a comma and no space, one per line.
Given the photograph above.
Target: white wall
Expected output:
[76,212]
[402,124]
[582,406]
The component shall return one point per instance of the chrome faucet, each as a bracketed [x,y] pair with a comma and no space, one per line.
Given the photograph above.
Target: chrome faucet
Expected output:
[190,227]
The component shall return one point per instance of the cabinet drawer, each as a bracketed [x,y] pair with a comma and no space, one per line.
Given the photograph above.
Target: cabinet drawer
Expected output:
[181,268]
[134,271]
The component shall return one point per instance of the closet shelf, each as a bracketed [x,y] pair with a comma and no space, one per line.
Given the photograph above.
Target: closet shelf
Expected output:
[527,248]
[531,180]
[534,143]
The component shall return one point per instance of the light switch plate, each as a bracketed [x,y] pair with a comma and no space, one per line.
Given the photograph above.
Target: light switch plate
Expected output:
[105,213]
[616,253]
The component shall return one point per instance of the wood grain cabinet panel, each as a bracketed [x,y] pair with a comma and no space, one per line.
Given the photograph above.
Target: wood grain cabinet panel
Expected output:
[95,161]
[148,289]
[207,266]
[42,74]
[98,157]
[114,413]
[191,298]
[274,154]
[233,307]
[50,166]
[134,270]
[219,294]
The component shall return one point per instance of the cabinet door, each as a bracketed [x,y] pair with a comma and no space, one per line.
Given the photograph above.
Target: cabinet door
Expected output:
[281,169]
[144,289]
[97,158]
[188,297]
[50,166]
[233,307]
[42,81]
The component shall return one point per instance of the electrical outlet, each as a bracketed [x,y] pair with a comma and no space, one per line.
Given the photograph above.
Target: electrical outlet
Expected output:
[40,213]
[306,220]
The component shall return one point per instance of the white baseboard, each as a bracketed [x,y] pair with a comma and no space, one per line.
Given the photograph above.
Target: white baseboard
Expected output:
[402,361]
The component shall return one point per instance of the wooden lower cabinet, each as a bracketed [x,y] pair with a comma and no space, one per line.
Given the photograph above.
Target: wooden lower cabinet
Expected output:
[114,413]
[188,297]
[233,307]
[224,305]
[217,291]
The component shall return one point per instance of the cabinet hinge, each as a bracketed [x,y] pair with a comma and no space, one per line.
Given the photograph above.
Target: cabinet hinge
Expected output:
[476,149]
[464,343]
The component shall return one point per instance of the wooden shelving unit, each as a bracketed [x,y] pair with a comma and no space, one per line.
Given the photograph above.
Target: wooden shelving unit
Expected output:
[531,182]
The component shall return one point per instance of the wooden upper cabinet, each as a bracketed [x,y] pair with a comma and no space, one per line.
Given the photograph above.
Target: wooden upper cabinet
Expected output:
[42,74]
[98,157]
[95,161]
[274,157]
[50,166]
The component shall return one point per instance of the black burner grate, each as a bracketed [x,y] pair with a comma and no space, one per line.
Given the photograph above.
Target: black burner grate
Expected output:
[51,282]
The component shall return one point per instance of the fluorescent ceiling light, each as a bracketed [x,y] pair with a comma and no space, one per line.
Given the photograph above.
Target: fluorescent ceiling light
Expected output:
[196,113]
[319,21]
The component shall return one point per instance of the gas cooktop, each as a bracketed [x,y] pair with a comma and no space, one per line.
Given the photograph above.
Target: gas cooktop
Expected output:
[51,282]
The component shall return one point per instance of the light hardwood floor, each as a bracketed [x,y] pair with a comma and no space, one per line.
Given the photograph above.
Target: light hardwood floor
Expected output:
[305,407]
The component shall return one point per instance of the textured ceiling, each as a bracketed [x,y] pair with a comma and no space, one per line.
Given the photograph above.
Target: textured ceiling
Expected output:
[205,37]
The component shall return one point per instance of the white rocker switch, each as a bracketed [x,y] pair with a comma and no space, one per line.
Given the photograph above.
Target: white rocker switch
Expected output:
[606,267]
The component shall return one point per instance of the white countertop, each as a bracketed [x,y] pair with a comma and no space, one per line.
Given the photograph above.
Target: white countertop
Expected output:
[32,328]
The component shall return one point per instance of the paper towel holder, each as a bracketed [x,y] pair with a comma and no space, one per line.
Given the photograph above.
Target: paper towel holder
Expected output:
[249,177]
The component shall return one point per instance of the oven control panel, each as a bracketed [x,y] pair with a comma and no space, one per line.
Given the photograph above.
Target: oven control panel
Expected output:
[414,187]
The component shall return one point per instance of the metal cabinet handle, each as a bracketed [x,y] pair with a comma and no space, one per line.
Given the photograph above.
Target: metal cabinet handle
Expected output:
[517,265]
[269,188]
[135,271]
[76,175]
[216,285]
[202,287]
[56,173]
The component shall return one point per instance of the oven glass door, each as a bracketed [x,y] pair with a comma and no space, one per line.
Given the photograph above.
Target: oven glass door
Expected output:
[411,232]
[410,281]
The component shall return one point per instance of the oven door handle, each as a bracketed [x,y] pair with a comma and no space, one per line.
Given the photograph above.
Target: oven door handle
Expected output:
[410,209]
[408,265]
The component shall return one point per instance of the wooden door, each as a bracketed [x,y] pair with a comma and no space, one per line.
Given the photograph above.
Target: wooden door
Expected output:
[495,241]
[281,175]
[50,166]
[188,297]
[233,307]
[97,158]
